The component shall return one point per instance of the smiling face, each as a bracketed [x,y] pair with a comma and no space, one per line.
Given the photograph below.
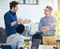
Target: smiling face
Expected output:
[14,6]
[14,9]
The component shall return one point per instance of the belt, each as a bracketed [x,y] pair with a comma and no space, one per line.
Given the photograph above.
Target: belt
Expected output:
[49,35]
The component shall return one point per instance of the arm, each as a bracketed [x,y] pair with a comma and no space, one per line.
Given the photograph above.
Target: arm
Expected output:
[50,28]
[40,25]
[42,28]
[20,43]
[21,21]
[7,20]
[17,21]
[53,26]
[45,28]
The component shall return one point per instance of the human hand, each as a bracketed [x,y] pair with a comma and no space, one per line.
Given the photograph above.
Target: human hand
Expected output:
[20,20]
[45,28]
[27,21]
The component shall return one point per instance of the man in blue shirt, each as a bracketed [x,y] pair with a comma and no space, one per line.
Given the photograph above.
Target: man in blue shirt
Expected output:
[47,26]
[11,20]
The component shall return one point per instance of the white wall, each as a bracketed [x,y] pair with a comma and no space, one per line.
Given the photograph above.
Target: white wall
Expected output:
[34,12]
[4,7]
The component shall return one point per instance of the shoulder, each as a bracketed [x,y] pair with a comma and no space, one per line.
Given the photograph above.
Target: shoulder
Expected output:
[11,39]
[7,14]
[18,36]
[22,37]
[53,18]
[11,36]
[42,18]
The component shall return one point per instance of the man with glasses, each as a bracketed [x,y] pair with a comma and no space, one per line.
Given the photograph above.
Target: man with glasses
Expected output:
[47,25]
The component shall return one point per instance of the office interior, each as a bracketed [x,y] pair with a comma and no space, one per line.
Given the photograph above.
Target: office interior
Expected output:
[33,10]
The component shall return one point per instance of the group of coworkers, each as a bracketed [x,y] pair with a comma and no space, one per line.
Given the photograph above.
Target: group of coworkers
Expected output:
[15,27]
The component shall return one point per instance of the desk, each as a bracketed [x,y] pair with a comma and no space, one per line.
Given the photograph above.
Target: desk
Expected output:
[47,46]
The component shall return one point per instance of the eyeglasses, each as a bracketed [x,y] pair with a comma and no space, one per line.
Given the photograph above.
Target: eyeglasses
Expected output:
[46,10]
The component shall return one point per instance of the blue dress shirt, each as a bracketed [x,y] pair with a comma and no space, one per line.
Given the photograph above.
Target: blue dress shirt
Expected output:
[8,18]
[48,21]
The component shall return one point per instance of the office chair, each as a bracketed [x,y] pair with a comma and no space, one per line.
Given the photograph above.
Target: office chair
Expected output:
[6,46]
[37,36]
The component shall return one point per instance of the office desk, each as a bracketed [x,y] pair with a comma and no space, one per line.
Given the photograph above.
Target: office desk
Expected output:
[48,46]
[45,46]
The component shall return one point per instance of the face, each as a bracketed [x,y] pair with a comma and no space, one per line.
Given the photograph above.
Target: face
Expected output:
[47,12]
[15,8]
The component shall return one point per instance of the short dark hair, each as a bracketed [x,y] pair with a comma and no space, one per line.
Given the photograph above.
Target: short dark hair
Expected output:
[49,7]
[13,4]
[20,28]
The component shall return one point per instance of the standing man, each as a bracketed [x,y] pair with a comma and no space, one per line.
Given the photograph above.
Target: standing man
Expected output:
[11,20]
[47,26]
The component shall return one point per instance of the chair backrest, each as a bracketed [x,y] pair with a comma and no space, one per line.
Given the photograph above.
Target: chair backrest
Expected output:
[38,37]
[6,46]
[35,43]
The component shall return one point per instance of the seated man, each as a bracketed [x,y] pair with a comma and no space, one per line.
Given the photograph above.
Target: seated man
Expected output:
[17,40]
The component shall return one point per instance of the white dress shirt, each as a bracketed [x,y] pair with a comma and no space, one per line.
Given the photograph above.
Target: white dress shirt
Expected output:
[16,41]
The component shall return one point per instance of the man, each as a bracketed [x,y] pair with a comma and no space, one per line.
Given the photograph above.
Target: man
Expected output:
[11,20]
[47,26]
[17,40]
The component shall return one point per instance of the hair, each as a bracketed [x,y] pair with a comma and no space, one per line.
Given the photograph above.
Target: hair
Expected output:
[13,4]
[49,7]
[20,28]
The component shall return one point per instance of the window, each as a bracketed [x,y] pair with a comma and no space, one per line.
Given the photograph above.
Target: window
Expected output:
[28,2]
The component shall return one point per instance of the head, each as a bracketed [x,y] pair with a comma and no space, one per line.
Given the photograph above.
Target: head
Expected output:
[48,10]
[20,29]
[14,6]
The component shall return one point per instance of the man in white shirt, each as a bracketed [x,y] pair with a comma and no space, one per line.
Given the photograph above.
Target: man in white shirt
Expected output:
[17,40]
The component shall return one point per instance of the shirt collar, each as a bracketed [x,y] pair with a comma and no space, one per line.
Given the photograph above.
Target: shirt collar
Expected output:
[14,13]
[19,34]
[48,16]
